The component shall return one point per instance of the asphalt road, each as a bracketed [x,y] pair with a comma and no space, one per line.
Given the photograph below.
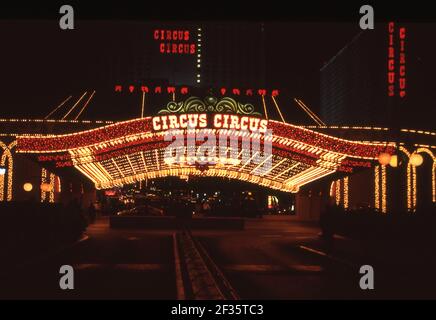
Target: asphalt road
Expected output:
[111,264]
[265,262]
[273,258]
[281,258]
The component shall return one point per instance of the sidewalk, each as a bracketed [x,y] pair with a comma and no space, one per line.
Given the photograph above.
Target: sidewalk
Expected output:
[385,253]
[279,222]
[101,224]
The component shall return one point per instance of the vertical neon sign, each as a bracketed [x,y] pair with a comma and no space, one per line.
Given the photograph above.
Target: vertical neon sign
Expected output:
[396,61]
[391,60]
[402,63]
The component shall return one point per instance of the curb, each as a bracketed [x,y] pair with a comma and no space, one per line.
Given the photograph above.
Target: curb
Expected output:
[178,270]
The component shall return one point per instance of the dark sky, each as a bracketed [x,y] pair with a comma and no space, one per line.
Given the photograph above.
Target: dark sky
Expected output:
[42,65]
[297,51]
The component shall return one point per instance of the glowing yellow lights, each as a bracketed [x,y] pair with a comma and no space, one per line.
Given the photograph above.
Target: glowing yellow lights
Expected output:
[356,143]
[145,165]
[276,138]
[311,114]
[346,200]
[2,187]
[409,188]
[410,177]
[85,105]
[384,158]
[380,202]
[405,151]
[419,132]
[55,121]
[377,187]
[348,127]
[339,189]
[414,188]
[394,161]
[307,176]
[7,155]
[83,159]
[278,109]
[74,106]
[416,159]
[236,161]
[43,179]
[52,188]
[142,104]
[198,55]
[433,182]
[371,128]
[189,171]
[264,107]
[27,187]
[338,192]
[47,186]
[383,189]
[59,184]
[286,173]
[55,109]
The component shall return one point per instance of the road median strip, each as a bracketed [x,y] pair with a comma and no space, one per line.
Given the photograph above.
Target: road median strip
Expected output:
[202,279]
[267,268]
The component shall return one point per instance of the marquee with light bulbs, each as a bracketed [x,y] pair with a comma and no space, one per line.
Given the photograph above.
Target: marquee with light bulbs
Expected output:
[131,151]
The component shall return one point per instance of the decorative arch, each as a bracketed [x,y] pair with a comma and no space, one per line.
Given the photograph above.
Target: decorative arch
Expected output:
[405,151]
[7,156]
[134,150]
[433,170]
[412,178]
[411,181]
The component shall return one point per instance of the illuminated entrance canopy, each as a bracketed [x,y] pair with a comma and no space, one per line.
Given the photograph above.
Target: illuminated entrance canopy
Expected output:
[135,150]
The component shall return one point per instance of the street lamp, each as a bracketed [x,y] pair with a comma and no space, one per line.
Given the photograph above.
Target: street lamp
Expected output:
[394,161]
[384,158]
[2,171]
[27,187]
[416,159]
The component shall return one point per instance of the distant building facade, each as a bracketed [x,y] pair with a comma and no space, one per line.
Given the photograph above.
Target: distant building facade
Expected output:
[356,84]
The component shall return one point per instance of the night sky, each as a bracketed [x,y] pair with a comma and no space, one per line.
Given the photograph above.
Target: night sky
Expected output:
[42,65]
